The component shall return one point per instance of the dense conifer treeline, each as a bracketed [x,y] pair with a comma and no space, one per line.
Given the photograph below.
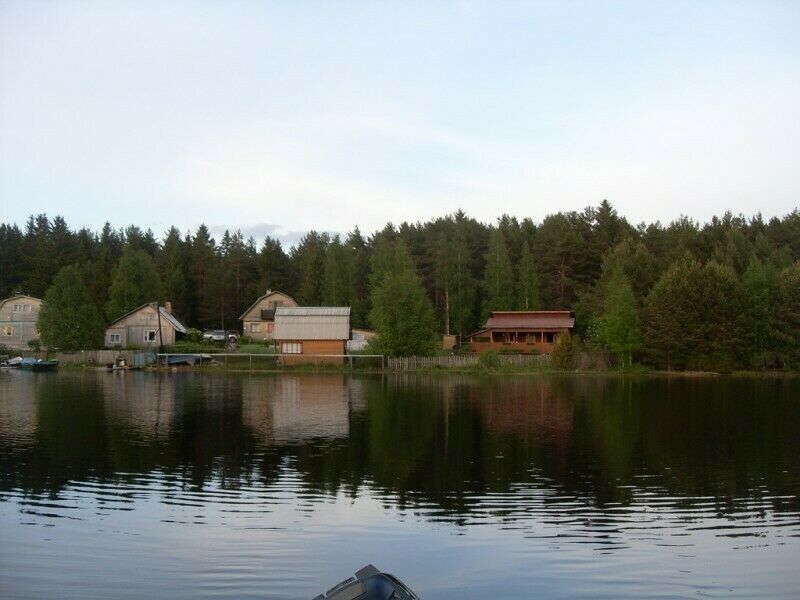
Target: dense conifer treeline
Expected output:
[685,295]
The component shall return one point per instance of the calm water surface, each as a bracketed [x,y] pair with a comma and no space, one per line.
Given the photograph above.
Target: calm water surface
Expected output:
[198,486]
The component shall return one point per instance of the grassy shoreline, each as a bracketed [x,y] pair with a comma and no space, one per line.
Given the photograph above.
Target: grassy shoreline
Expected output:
[476,370]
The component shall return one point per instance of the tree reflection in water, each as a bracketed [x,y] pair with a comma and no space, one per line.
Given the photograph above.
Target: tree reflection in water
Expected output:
[451,442]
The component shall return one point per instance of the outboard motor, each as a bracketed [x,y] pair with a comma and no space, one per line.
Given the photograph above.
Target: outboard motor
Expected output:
[369,584]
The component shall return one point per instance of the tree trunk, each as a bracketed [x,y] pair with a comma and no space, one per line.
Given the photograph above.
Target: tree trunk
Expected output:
[446,311]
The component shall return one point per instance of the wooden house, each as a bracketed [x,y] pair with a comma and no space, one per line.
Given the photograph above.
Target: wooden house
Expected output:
[18,317]
[149,326]
[522,330]
[258,321]
[307,334]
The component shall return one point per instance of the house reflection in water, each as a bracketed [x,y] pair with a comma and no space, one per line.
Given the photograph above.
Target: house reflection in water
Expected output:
[298,408]
[527,410]
[143,402]
[18,414]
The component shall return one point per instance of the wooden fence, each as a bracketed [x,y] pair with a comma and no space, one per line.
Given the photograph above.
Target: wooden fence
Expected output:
[450,361]
[139,358]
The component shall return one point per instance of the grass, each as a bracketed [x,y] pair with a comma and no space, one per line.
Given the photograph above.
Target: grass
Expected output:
[255,348]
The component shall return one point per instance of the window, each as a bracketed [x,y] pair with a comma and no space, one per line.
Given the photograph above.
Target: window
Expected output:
[150,335]
[291,348]
[8,331]
[255,327]
[18,307]
[114,338]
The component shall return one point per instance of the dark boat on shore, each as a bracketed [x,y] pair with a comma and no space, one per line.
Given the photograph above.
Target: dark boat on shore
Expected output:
[38,365]
[369,584]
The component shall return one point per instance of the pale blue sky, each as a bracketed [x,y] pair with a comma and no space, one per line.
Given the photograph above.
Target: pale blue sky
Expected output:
[301,115]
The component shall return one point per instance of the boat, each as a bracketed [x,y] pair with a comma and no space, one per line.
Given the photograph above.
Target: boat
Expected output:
[45,365]
[11,363]
[34,364]
[369,584]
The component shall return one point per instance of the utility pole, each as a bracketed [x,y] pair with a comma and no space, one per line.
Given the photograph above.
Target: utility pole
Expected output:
[160,337]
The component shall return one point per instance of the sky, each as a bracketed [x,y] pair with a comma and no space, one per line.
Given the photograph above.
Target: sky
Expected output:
[281,117]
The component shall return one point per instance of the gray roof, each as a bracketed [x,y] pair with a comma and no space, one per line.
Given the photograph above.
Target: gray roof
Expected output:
[312,323]
[179,327]
[260,298]
[170,318]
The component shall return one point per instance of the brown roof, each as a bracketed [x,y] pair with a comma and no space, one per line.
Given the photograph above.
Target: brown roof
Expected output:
[531,319]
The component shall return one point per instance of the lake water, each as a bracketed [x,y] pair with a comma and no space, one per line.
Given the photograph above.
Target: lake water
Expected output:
[144,485]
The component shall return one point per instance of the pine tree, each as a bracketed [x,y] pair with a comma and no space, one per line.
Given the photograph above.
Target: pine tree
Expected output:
[11,266]
[337,282]
[760,282]
[498,279]
[528,289]
[308,258]
[135,282]
[357,247]
[68,319]
[786,316]
[455,282]
[204,270]
[273,268]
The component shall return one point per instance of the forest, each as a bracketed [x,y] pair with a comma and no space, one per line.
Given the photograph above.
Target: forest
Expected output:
[686,295]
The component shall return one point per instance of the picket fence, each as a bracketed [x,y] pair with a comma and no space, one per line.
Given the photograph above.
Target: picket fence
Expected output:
[410,363]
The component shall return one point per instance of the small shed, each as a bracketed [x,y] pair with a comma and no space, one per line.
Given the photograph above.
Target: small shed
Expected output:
[148,326]
[522,330]
[359,339]
[306,334]
[19,315]
[258,321]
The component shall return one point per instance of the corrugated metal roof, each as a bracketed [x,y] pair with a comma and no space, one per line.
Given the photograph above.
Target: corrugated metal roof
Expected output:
[312,323]
[531,319]
[179,327]
[331,311]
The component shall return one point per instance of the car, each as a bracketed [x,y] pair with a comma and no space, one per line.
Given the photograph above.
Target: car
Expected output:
[214,335]
[221,336]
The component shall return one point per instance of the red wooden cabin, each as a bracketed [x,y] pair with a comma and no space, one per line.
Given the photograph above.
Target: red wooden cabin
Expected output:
[522,330]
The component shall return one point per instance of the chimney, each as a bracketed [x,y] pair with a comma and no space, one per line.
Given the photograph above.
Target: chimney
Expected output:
[168,307]
[269,291]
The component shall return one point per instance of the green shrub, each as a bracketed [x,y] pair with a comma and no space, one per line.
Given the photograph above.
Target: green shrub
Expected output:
[35,345]
[563,352]
[489,359]
[193,336]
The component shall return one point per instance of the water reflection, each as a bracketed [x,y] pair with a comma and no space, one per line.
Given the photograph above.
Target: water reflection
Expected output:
[612,464]
[435,439]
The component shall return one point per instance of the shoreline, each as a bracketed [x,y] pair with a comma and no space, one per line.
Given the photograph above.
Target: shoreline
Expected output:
[344,370]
